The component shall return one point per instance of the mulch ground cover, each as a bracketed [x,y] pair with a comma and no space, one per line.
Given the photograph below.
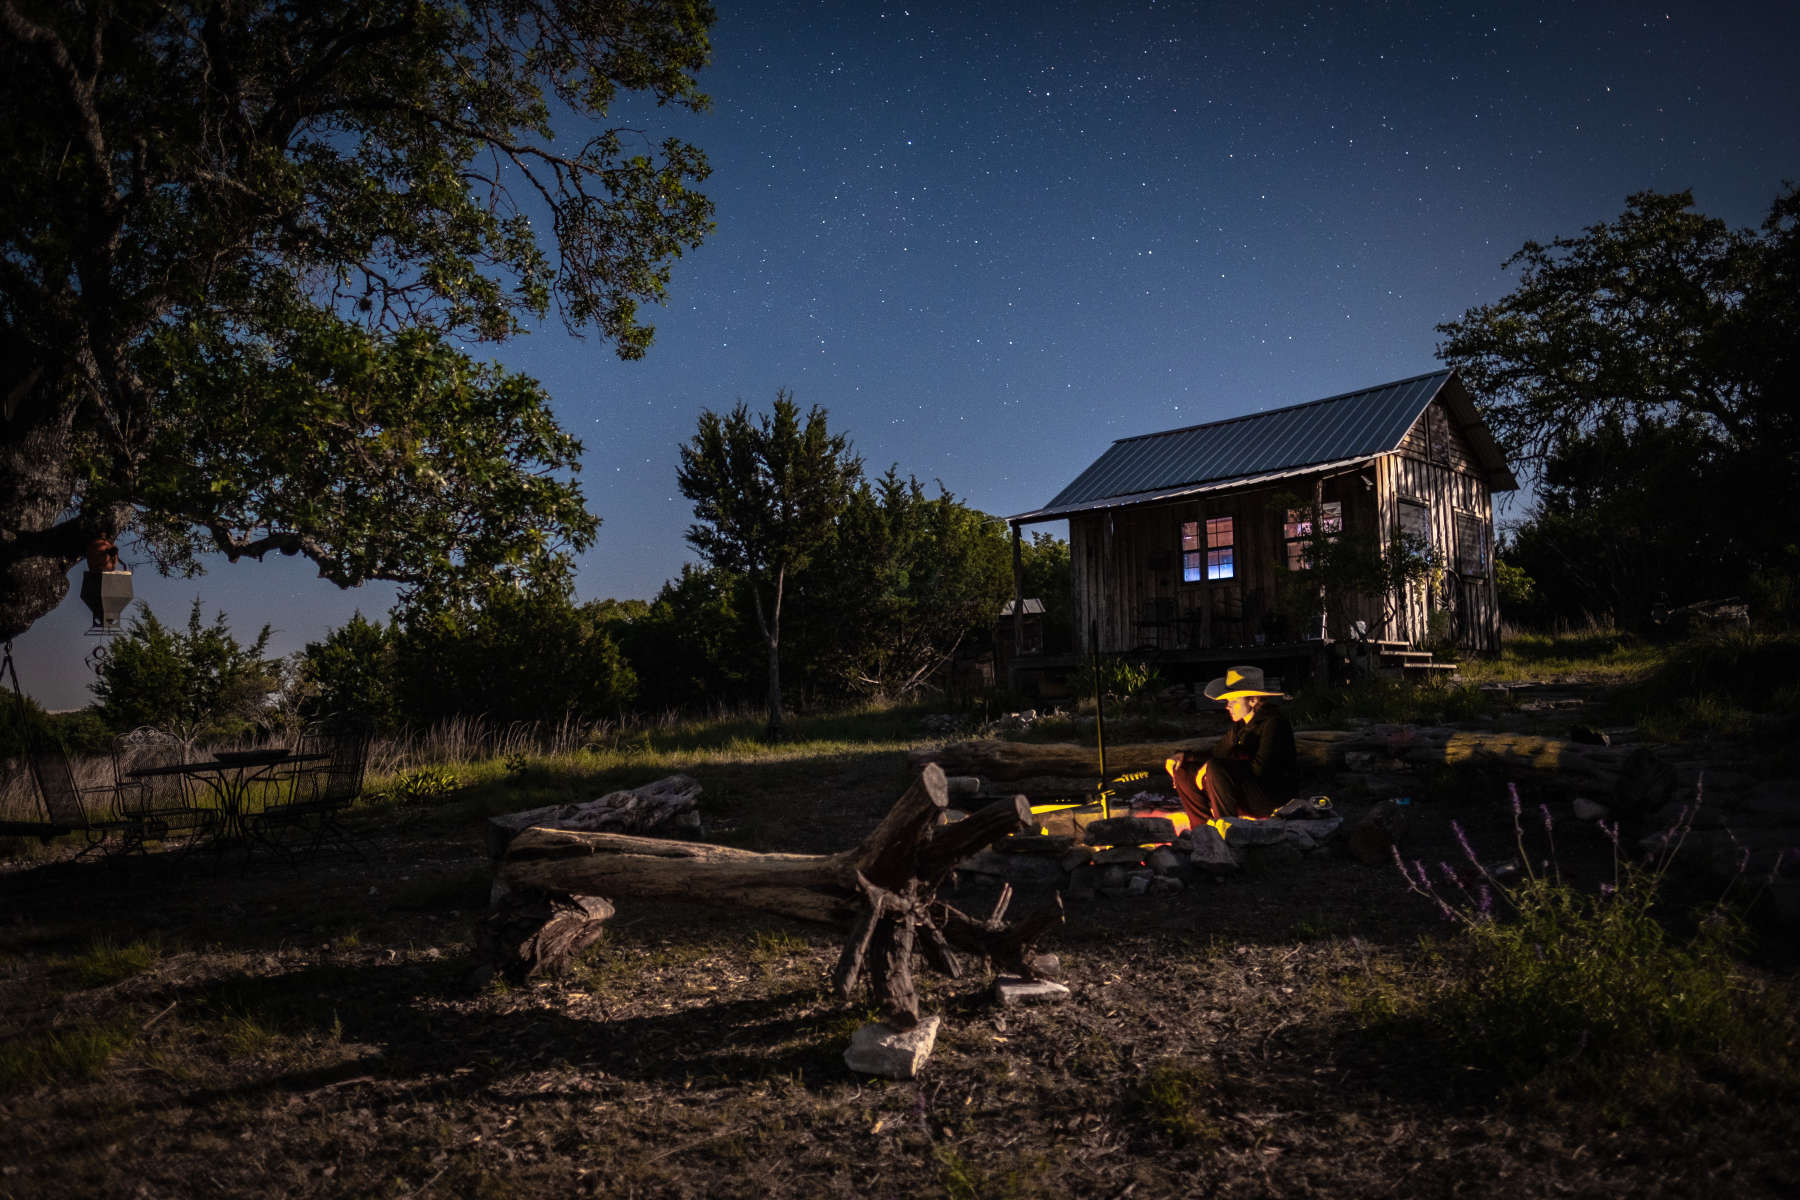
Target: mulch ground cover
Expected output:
[307,1031]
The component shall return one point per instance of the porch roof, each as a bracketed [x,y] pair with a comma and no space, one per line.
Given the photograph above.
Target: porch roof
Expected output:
[1302,439]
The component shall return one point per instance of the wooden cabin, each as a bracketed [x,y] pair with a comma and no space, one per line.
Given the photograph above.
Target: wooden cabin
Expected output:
[1189,543]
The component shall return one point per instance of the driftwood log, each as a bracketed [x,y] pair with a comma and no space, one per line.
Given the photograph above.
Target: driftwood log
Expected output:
[883,890]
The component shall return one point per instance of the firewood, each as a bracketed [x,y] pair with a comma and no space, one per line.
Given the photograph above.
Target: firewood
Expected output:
[882,891]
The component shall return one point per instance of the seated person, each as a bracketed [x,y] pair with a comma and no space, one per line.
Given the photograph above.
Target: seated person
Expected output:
[1251,770]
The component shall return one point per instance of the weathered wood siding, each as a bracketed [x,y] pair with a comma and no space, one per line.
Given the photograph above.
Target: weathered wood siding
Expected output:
[1436,469]
[1127,568]
[1126,565]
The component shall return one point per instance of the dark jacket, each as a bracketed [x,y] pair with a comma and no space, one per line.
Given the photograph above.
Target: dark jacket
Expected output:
[1266,743]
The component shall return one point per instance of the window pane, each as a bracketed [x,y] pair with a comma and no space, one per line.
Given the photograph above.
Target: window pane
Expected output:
[1218,563]
[1296,556]
[1190,566]
[1218,531]
[1416,520]
[1190,535]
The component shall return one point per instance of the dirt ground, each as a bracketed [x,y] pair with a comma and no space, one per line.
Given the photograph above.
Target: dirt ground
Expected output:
[308,1032]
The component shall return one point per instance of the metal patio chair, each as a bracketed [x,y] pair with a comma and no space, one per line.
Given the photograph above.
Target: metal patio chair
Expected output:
[66,807]
[318,792]
[164,804]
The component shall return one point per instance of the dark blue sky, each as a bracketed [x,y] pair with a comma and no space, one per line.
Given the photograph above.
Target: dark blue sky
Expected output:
[991,238]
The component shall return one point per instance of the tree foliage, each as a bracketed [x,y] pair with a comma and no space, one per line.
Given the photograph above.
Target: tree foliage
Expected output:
[198,682]
[519,652]
[767,492]
[244,246]
[352,671]
[904,581]
[1650,358]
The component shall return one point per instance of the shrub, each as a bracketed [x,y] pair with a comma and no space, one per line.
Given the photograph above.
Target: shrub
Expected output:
[1549,977]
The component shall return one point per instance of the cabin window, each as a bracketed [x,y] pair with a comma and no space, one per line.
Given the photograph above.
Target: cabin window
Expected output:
[1297,530]
[1219,563]
[1190,552]
[1415,519]
[1471,545]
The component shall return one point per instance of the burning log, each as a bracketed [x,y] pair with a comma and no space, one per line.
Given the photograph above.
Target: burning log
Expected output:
[883,889]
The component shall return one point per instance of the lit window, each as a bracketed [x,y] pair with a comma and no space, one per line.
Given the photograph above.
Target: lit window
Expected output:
[1218,548]
[1190,552]
[1297,530]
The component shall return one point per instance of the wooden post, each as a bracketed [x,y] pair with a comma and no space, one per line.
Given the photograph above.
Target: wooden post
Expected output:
[1018,620]
[1318,516]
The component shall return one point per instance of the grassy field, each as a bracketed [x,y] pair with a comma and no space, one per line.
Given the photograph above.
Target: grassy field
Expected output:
[1318,1027]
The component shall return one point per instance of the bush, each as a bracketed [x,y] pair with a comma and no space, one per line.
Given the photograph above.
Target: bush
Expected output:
[1548,978]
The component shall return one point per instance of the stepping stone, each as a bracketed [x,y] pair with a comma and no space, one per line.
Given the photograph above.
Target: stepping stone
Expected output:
[879,1049]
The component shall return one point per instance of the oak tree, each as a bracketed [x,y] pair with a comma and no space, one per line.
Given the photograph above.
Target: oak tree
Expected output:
[247,250]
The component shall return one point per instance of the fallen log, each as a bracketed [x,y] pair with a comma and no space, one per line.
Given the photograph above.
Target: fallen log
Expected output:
[670,803]
[883,890]
[1030,766]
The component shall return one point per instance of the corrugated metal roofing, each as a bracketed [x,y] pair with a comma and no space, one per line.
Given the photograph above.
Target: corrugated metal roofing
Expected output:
[1353,426]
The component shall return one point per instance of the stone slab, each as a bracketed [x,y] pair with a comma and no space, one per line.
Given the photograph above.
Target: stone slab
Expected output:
[1129,831]
[879,1049]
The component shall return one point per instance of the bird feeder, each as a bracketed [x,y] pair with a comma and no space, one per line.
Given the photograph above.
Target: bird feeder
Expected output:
[105,586]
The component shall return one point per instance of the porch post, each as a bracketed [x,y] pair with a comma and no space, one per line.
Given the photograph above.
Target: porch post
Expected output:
[1018,621]
[1318,516]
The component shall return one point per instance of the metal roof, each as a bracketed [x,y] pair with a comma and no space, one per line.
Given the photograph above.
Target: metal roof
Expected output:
[1336,431]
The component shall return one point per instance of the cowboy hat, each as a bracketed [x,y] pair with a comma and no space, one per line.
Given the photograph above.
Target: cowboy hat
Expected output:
[1239,681]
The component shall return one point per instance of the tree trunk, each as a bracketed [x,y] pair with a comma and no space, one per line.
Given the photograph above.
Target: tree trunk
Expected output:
[882,890]
[36,489]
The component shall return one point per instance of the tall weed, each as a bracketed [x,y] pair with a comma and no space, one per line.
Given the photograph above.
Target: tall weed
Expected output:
[1548,978]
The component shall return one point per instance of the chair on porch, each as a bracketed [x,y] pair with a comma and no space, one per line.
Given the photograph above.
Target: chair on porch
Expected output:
[1156,624]
[319,792]
[1227,623]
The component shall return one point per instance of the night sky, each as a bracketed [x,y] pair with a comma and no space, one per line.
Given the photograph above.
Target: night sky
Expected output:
[991,238]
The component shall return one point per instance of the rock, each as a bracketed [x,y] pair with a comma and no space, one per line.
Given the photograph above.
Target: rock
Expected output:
[1212,855]
[1320,831]
[1046,966]
[1306,808]
[879,1049]
[1587,735]
[1112,877]
[1266,832]
[1588,810]
[1645,783]
[1014,990]
[1163,861]
[1166,885]
[1129,831]
[1077,858]
[1138,885]
[1127,856]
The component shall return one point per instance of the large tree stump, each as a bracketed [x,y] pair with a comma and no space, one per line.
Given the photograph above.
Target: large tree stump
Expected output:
[883,890]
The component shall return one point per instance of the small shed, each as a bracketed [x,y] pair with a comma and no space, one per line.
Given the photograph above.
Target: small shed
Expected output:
[1178,540]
